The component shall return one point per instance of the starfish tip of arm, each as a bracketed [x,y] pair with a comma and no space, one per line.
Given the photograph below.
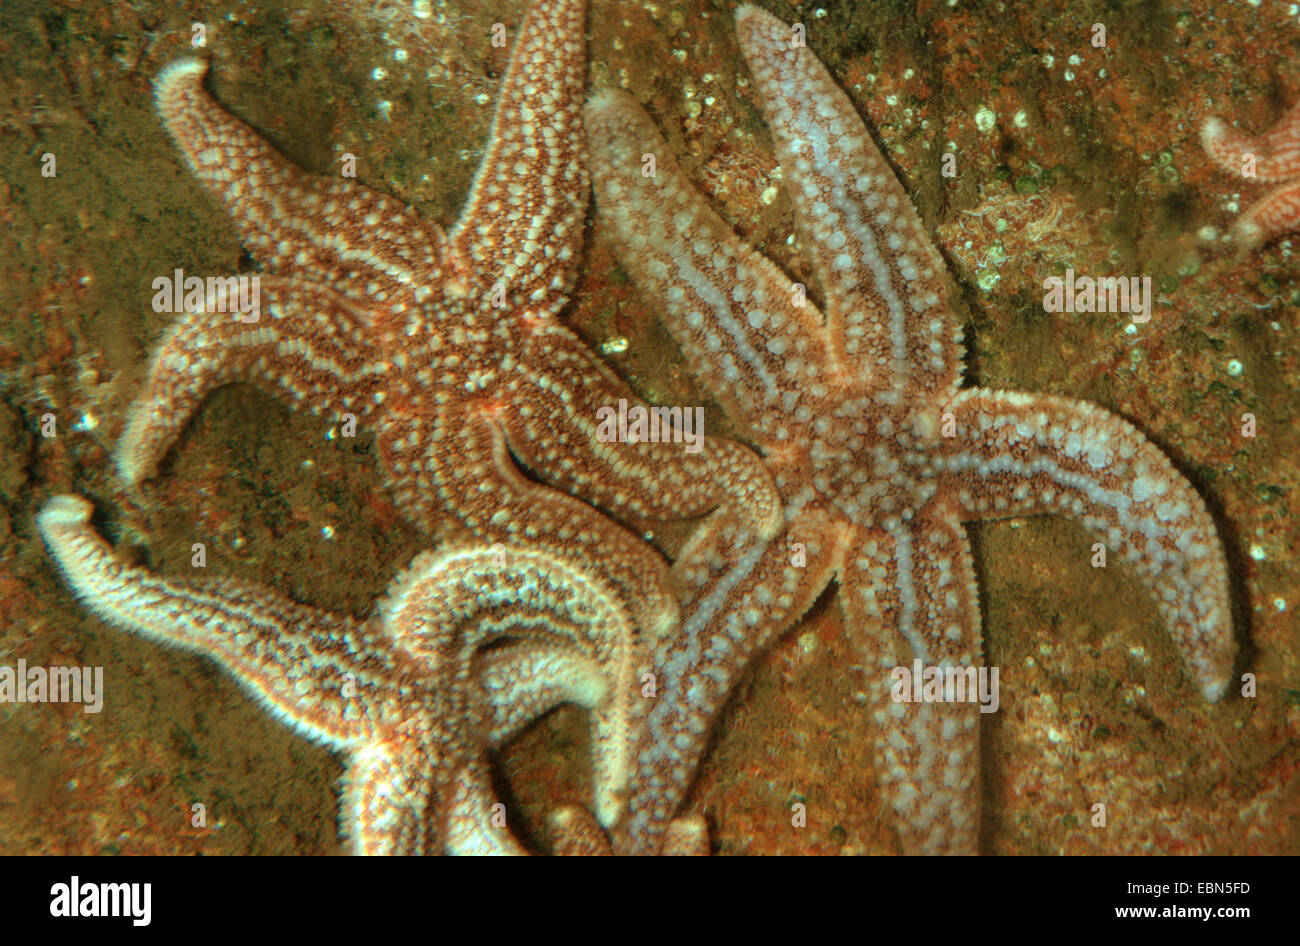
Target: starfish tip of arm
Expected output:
[133,466]
[1214,690]
[63,510]
[747,11]
[1212,130]
[182,72]
[574,833]
[1248,234]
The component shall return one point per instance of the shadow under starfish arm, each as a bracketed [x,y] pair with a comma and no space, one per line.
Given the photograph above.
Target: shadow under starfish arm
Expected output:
[1015,455]
[326,229]
[308,344]
[397,693]
[850,417]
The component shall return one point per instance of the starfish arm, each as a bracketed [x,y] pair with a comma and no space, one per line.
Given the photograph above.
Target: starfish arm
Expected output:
[525,211]
[908,591]
[884,281]
[687,836]
[472,476]
[384,800]
[448,605]
[326,229]
[1274,214]
[668,477]
[741,593]
[475,819]
[308,344]
[1016,455]
[297,661]
[1276,153]
[745,331]
[575,833]
[524,682]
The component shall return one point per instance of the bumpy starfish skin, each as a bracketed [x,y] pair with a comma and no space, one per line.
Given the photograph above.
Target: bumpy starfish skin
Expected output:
[1275,158]
[399,693]
[878,453]
[574,833]
[446,347]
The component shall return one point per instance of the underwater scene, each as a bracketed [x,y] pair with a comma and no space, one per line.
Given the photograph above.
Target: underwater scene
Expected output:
[608,426]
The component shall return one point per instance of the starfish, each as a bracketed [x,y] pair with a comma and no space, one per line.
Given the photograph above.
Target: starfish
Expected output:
[447,345]
[409,695]
[1269,158]
[575,833]
[879,454]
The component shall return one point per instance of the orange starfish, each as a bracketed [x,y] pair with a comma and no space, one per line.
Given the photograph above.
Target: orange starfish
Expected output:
[447,346]
[1270,158]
